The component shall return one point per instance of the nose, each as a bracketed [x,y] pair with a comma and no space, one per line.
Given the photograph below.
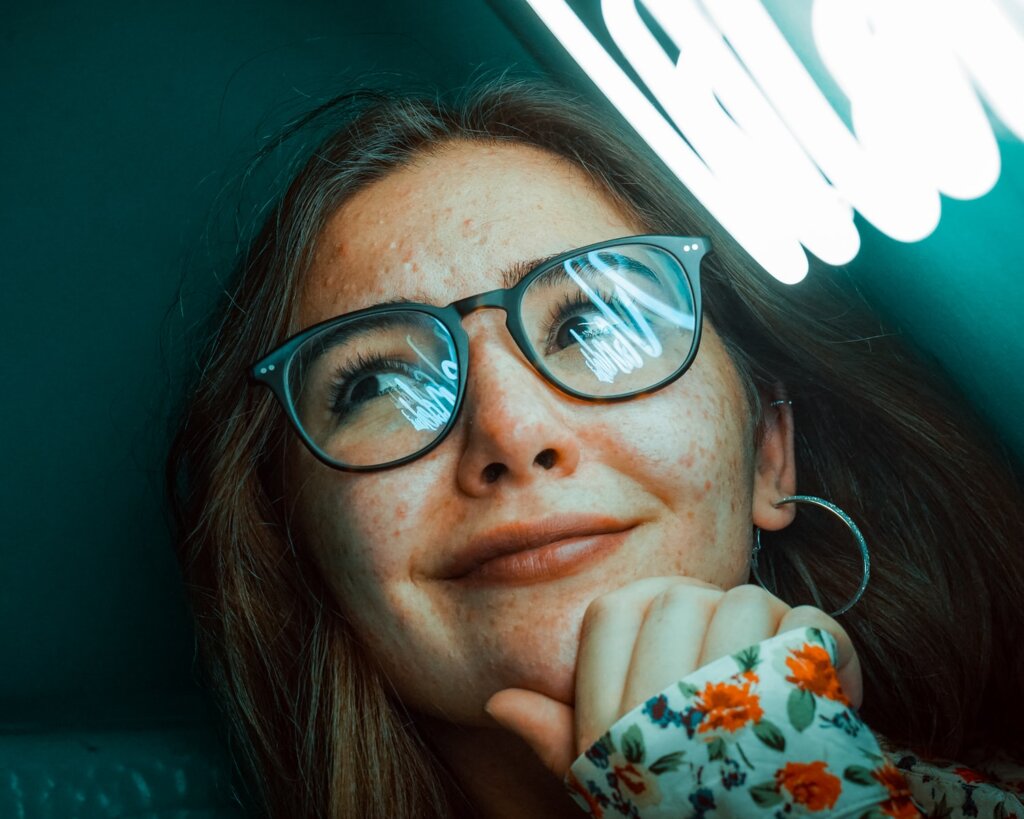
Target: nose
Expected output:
[517,426]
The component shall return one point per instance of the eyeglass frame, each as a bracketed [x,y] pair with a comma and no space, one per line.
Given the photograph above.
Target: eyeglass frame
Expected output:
[272,369]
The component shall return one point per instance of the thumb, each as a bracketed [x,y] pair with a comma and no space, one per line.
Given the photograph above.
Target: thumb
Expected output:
[851,682]
[546,725]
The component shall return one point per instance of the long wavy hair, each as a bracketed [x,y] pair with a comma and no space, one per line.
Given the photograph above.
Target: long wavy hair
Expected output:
[313,727]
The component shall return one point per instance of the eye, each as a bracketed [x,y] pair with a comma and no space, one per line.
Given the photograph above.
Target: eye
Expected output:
[573,318]
[366,388]
[364,380]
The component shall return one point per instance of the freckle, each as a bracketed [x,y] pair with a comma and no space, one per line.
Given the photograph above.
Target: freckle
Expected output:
[707,486]
[415,268]
[408,256]
[690,515]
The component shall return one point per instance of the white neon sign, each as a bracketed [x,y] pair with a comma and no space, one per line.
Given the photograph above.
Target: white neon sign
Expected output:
[766,153]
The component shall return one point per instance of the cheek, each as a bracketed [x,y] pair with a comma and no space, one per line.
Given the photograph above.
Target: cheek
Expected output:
[354,530]
[690,445]
[365,533]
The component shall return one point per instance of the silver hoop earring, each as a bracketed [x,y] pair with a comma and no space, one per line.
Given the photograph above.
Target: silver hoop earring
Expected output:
[845,518]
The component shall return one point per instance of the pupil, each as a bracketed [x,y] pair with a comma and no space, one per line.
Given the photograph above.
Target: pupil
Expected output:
[563,339]
[365,389]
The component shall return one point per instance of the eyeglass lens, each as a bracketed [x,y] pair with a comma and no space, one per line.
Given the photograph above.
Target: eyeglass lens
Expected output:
[604,324]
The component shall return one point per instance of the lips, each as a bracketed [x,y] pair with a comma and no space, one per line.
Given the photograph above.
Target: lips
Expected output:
[525,549]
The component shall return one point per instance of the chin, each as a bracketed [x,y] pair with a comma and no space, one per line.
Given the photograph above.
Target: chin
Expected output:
[540,643]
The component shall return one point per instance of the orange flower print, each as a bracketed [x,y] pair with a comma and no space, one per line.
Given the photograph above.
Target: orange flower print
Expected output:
[970,775]
[899,804]
[727,706]
[592,804]
[639,783]
[809,784]
[813,671]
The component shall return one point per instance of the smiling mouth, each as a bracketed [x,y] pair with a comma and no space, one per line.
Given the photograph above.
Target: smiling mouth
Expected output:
[552,549]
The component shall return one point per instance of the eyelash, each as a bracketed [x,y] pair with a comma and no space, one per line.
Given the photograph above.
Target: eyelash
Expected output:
[345,373]
[569,305]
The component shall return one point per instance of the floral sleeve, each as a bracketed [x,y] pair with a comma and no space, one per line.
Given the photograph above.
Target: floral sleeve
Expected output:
[764,732]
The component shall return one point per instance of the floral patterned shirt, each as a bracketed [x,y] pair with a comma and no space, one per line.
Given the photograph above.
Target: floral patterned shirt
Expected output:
[768,732]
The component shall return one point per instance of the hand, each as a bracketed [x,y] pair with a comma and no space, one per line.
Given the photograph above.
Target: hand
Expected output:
[640,639]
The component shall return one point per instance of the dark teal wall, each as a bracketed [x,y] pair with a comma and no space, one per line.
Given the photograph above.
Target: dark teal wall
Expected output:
[119,120]
[960,294]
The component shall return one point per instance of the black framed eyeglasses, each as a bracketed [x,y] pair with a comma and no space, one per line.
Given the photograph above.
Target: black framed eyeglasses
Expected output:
[379,387]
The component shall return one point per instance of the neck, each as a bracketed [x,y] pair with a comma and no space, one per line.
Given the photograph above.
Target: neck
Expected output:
[497,772]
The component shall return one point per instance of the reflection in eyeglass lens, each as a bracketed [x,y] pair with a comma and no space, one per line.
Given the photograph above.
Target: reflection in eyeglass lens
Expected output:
[610,317]
[378,389]
[382,388]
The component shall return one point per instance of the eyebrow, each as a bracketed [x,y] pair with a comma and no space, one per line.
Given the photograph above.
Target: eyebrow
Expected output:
[367,326]
[517,271]
[510,276]
[583,264]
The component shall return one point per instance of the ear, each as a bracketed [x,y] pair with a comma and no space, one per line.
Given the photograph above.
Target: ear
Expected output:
[774,465]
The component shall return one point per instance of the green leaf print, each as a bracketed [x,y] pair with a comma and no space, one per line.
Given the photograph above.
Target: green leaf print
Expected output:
[633,744]
[689,690]
[748,659]
[765,795]
[607,741]
[859,775]
[941,809]
[716,748]
[669,762]
[815,636]
[800,707]
[770,735]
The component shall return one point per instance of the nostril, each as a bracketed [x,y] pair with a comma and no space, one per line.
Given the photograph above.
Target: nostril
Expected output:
[546,458]
[494,471]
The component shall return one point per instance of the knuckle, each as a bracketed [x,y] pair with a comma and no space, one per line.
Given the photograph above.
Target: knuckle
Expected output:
[700,598]
[748,602]
[801,616]
[748,595]
[604,608]
[809,614]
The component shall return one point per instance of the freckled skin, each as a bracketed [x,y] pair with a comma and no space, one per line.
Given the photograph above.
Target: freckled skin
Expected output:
[463,214]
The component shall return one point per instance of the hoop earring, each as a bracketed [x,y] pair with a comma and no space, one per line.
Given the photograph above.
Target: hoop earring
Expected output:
[845,518]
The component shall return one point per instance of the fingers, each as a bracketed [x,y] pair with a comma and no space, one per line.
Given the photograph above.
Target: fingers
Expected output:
[847,663]
[668,646]
[640,639]
[546,725]
[745,615]
[609,633]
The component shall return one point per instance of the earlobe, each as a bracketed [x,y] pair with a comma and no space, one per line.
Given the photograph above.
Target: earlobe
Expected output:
[774,464]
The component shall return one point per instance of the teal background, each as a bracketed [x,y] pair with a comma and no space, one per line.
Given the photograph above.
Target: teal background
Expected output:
[124,124]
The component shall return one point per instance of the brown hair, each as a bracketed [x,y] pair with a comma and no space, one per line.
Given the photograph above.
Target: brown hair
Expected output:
[314,729]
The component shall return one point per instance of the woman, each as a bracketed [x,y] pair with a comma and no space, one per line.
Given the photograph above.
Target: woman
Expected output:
[464,554]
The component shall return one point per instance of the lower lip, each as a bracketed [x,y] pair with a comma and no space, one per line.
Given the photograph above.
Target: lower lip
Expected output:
[549,562]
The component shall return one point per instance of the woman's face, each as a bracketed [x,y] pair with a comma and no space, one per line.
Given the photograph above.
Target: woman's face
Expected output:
[660,485]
